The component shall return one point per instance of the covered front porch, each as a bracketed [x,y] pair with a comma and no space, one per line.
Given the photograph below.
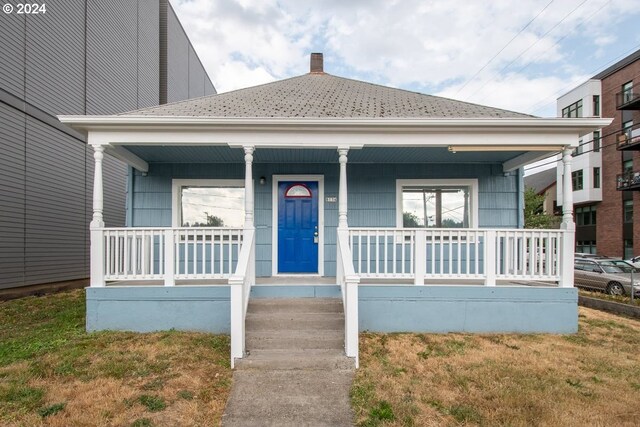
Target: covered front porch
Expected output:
[394,269]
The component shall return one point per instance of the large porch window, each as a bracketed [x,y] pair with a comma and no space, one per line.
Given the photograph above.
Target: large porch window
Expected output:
[208,203]
[437,204]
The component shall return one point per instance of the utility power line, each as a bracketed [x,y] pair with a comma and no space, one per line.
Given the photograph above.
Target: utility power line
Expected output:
[602,147]
[503,48]
[527,49]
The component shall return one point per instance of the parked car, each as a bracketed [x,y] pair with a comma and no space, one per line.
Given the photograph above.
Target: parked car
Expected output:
[635,261]
[587,255]
[609,275]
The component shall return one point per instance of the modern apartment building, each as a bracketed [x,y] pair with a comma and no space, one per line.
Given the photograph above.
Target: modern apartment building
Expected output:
[91,57]
[606,165]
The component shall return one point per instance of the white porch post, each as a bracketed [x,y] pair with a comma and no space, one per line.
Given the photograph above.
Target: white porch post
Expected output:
[568,241]
[248,187]
[97,223]
[342,190]
[169,257]
[236,284]
[420,261]
[249,208]
[490,257]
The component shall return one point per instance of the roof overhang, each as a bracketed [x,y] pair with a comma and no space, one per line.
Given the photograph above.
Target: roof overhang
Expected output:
[531,136]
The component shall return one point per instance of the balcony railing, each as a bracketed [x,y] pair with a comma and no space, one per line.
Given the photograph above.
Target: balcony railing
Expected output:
[629,139]
[628,100]
[628,181]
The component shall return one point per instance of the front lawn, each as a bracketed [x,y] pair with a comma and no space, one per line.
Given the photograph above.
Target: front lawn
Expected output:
[591,378]
[53,373]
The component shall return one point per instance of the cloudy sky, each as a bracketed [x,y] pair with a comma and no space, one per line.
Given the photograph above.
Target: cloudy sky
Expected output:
[519,55]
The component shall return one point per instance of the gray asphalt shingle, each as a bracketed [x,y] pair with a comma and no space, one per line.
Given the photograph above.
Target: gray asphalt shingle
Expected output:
[321,95]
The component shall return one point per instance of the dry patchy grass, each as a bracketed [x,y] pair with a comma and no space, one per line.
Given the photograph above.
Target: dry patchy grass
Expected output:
[590,378]
[52,373]
[624,299]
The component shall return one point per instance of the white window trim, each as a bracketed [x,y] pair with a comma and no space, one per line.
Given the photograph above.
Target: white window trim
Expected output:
[176,184]
[471,183]
[274,224]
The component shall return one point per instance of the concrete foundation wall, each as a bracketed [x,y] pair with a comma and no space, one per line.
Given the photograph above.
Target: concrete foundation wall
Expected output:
[159,308]
[443,309]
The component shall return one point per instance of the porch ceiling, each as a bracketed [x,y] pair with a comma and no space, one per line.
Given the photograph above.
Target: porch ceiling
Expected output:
[225,154]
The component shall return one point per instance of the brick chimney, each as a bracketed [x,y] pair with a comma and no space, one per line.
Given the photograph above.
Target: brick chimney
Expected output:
[316,63]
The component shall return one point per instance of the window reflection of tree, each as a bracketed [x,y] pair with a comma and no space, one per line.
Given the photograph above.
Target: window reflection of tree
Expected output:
[212,206]
[440,208]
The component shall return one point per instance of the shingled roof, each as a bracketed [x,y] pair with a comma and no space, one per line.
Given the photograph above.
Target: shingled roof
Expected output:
[322,95]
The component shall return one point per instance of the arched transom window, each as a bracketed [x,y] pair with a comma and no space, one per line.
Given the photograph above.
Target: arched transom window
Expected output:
[298,191]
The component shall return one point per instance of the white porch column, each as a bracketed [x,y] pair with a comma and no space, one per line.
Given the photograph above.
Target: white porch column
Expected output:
[342,190]
[567,192]
[568,241]
[248,187]
[97,223]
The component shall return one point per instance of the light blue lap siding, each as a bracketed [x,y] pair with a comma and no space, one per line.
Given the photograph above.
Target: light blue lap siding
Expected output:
[371,187]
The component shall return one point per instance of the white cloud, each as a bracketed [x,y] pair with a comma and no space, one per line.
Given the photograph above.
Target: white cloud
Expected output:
[428,46]
[535,95]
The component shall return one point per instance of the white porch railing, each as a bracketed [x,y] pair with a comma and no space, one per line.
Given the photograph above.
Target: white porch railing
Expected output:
[487,254]
[170,253]
[240,283]
[348,281]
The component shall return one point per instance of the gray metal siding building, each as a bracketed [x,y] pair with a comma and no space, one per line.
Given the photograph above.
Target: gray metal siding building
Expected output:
[93,57]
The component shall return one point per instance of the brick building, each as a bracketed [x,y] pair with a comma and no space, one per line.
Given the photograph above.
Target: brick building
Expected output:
[620,206]
[606,175]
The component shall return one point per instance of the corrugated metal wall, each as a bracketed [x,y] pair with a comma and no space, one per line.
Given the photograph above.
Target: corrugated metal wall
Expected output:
[372,195]
[112,56]
[148,53]
[177,59]
[12,34]
[12,195]
[55,52]
[46,172]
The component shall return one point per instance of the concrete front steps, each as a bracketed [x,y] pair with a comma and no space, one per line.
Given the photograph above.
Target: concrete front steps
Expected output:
[295,372]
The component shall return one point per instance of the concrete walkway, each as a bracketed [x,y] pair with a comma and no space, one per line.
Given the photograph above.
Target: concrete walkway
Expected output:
[296,373]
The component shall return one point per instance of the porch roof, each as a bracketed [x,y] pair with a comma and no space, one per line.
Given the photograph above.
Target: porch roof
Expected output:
[319,111]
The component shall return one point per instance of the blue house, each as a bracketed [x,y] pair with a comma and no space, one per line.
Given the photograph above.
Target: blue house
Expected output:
[407,206]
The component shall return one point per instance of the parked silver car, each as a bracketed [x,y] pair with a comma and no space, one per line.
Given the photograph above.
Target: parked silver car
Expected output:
[635,261]
[612,276]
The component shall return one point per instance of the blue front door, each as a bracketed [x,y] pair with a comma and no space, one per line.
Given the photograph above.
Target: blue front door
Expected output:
[298,227]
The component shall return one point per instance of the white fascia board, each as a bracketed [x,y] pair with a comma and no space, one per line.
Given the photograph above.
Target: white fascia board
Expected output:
[330,133]
[525,159]
[128,157]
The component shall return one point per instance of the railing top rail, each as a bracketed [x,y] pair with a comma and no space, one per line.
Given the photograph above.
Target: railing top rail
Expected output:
[345,252]
[453,230]
[243,258]
[169,228]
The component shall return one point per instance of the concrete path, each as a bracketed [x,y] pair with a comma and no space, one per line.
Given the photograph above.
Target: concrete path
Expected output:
[296,373]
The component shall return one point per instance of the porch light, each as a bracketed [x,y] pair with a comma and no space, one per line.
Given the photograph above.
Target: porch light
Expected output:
[263,180]
[475,148]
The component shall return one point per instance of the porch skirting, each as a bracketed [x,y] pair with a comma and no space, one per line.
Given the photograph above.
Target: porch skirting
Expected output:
[159,308]
[478,309]
[382,308]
